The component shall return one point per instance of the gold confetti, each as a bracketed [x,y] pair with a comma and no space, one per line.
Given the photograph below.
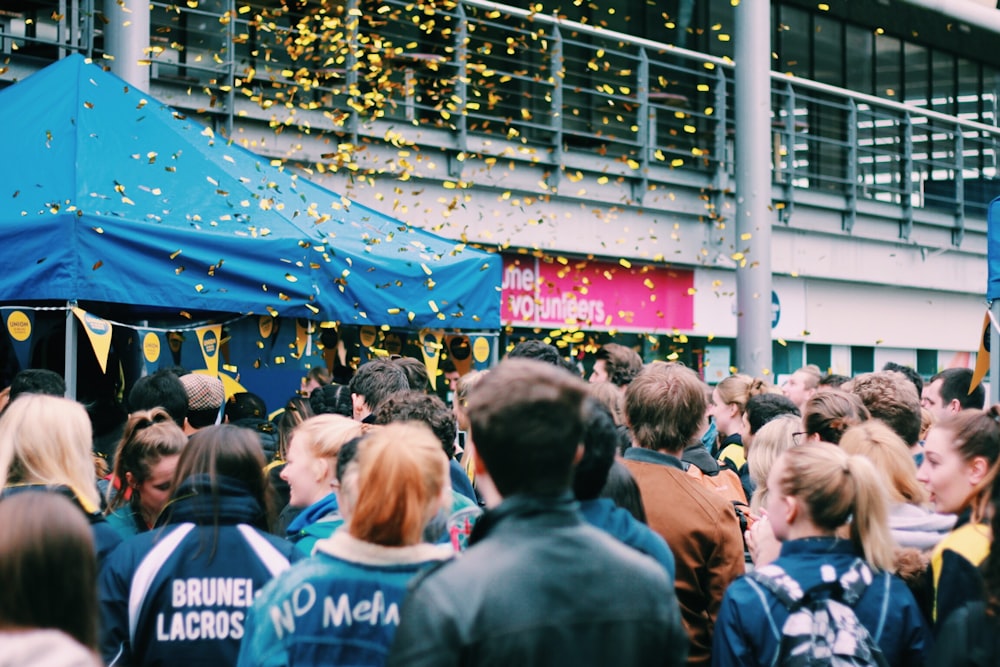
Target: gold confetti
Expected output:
[98,265]
[290,278]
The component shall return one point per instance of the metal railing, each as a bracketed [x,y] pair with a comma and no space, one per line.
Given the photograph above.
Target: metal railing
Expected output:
[475,69]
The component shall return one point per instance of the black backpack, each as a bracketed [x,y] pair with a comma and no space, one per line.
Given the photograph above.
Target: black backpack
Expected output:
[822,628]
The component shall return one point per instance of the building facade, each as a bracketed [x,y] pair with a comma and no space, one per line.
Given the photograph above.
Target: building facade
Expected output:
[593,145]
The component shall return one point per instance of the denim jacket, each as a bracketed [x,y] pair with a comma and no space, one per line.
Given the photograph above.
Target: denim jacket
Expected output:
[340,607]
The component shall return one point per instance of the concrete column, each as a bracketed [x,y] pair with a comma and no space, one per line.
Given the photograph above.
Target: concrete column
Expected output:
[753,186]
[126,37]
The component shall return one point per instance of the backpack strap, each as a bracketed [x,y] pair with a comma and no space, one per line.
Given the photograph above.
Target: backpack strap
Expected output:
[855,581]
[777,581]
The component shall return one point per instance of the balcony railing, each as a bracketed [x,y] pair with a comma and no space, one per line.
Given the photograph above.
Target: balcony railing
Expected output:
[474,69]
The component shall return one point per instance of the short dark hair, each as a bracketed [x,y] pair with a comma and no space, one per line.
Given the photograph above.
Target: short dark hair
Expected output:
[955,386]
[162,389]
[245,405]
[348,453]
[526,421]
[665,405]
[537,350]
[408,406]
[377,380]
[833,381]
[621,363]
[600,442]
[416,372]
[622,488]
[37,381]
[765,407]
[913,376]
[332,399]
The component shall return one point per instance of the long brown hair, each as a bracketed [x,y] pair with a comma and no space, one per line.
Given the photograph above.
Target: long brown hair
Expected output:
[48,566]
[224,450]
[402,470]
[149,436]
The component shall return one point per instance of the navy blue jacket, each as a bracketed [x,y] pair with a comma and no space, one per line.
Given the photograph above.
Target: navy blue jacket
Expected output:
[106,538]
[604,514]
[748,631]
[179,594]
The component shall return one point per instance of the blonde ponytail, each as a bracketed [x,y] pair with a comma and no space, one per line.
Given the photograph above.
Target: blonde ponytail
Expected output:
[839,491]
[870,522]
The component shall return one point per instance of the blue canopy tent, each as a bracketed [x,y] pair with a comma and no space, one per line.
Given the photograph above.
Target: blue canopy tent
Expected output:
[108,195]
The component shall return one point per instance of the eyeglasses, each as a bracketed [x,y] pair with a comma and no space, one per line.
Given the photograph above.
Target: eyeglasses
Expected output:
[797,438]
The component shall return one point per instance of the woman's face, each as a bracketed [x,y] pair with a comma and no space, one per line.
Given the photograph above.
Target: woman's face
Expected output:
[947,476]
[154,491]
[777,504]
[302,472]
[723,413]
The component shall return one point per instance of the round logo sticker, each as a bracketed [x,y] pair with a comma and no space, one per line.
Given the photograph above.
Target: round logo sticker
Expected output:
[210,343]
[481,349]
[19,326]
[151,347]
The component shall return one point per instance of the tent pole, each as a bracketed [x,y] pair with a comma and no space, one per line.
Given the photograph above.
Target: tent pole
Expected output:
[994,375]
[71,340]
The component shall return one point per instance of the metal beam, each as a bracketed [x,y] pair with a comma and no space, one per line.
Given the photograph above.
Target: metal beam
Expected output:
[753,187]
[976,15]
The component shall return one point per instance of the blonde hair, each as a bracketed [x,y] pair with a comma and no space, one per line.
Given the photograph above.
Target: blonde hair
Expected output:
[402,472]
[324,435]
[612,396]
[838,489]
[738,389]
[769,443]
[47,440]
[889,454]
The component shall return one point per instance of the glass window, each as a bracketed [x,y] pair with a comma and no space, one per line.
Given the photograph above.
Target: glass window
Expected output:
[793,44]
[858,50]
[888,71]
[828,50]
[943,82]
[862,359]
[917,74]
[819,355]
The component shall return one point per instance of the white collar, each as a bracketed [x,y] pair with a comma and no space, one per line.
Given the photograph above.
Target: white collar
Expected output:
[347,547]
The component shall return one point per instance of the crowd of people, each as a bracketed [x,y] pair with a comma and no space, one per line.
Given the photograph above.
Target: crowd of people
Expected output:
[640,518]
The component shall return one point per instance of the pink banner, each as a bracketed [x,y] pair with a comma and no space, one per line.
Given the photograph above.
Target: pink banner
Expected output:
[595,295]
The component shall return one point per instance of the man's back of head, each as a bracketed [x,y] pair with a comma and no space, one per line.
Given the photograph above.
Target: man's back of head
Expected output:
[891,397]
[407,406]
[600,442]
[245,405]
[526,424]
[537,350]
[162,389]
[373,383]
[37,381]
[765,407]
[416,372]
[665,405]
[206,395]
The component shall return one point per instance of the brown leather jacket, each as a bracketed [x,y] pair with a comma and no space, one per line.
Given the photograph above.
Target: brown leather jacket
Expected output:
[702,531]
